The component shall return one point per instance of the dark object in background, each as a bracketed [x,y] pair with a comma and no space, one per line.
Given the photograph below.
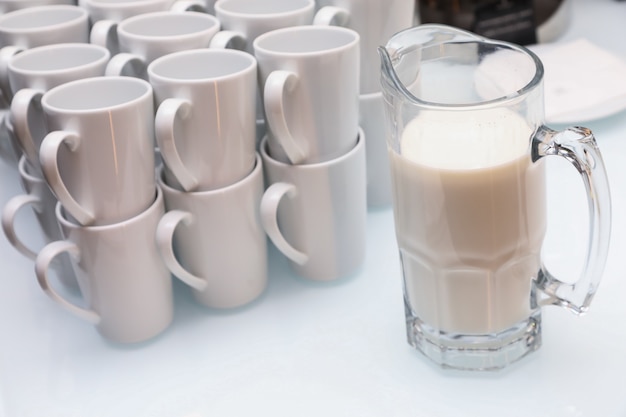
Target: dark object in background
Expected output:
[518,21]
[512,21]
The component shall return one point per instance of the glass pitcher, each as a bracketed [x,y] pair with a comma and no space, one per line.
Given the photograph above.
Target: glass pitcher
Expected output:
[466,141]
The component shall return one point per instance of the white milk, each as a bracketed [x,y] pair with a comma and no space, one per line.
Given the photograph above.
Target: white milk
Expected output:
[470,218]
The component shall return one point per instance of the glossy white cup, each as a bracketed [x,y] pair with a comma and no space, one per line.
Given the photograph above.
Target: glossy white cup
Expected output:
[43,203]
[143,38]
[118,10]
[316,214]
[372,120]
[7,6]
[126,286]
[99,155]
[309,76]
[244,20]
[44,25]
[27,28]
[37,26]
[219,248]
[205,123]
[37,70]
[375,21]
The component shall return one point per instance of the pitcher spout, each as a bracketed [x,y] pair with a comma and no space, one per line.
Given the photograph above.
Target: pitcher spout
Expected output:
[405,52]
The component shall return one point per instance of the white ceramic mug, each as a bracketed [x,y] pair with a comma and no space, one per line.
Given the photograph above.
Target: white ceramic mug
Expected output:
[244,20]
[99,155]
[375,21]
[143,38]
[126,286]
[316,213]
[39,197]
[205,122]
[36,26]
[372,120]
[37,70]
[310,82]
[44,25]
[219,248]
[116,10]
[7,6]
[25,28]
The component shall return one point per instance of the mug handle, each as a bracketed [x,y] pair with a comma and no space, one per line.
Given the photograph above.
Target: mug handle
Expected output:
[269,219]
[332,16]
[12,207]
[126,64]
[228,39]
[50,167]
[164,122]
[578,146]
[164,240]
[104,33]
[42,266]
[6,54]
[277,84]
[25,102]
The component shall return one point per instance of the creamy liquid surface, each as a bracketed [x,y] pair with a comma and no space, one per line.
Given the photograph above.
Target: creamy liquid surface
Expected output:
[469,208]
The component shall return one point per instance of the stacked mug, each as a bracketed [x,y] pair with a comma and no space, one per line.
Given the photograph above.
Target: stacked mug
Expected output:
[315,207]
[211,176]
[117,11]
[23,27]
[86,149]
[138,40]
[375,21]
[98,159]
[7,6]
[136,127]
[32,73]
[242,21]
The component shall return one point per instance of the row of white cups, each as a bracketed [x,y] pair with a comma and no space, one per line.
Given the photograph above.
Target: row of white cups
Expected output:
[257,130]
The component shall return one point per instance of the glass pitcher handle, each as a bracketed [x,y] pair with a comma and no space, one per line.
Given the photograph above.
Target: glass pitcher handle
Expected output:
[579,147]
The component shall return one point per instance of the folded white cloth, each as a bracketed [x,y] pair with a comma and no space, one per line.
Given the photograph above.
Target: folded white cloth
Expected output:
[582,81]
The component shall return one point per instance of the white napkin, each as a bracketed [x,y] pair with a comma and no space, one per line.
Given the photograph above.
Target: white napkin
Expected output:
[582,81]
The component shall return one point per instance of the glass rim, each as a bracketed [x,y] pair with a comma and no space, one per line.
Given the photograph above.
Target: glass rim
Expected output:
[470,37]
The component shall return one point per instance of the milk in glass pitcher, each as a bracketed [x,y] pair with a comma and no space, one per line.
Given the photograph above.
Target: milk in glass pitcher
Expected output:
[466,141]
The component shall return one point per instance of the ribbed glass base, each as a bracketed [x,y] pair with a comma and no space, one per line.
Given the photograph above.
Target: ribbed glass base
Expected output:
[477,352]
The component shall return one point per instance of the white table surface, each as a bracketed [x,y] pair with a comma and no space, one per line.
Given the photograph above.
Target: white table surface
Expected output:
[310,349]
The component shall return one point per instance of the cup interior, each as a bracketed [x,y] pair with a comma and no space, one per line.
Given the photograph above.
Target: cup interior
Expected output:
[302,40]
[40,17]
[95,93]
[256,7]
[202,64]
[168,24]
[58,57]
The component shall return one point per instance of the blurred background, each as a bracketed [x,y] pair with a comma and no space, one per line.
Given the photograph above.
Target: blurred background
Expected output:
[520,21]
